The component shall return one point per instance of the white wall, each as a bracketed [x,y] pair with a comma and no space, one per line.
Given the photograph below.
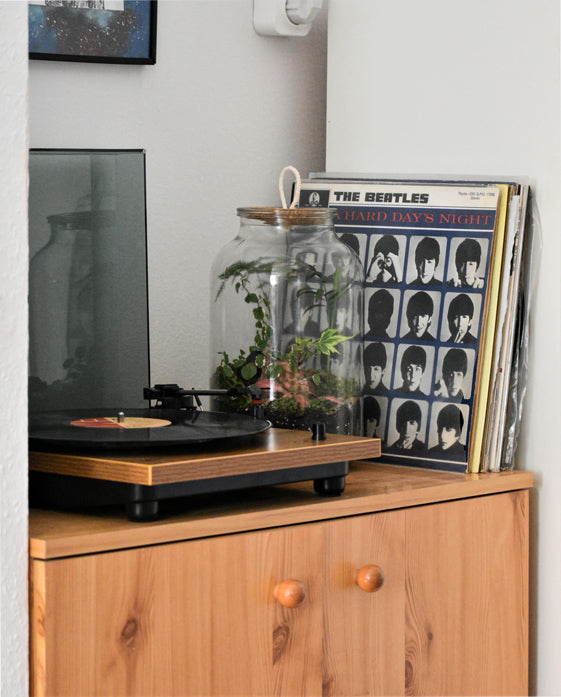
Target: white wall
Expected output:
[471,88]
[13,349]
[220,114]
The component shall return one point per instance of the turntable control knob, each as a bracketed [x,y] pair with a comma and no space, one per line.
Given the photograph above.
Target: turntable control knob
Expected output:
[370,578]
[290,593]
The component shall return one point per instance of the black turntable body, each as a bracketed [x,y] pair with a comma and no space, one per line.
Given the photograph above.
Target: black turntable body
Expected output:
[138,458]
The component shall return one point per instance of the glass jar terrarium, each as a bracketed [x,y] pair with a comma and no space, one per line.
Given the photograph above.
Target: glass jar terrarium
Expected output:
[286,318]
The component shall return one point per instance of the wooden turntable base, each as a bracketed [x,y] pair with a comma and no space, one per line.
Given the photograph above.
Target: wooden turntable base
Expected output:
[142,478]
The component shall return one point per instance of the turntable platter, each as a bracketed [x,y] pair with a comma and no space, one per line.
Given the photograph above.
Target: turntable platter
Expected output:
[136,428]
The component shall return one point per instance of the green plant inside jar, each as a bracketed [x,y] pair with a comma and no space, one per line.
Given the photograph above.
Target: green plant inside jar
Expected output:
[298,383]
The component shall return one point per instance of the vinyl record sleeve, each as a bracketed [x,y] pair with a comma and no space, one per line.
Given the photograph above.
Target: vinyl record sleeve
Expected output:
[411,216]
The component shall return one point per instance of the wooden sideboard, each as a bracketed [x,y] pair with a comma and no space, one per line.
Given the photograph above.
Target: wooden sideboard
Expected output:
[413,582]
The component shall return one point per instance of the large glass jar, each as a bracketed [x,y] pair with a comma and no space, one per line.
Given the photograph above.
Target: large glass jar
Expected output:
[287,318]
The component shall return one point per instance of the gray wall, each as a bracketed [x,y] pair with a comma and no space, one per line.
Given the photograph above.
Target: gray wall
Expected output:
[220,114]
[471,88]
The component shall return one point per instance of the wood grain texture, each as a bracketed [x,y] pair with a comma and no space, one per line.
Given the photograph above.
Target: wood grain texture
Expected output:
[364,651]
[37,653]
[275,449]
[198,617]
[467,597]
[369,487]
[188,619]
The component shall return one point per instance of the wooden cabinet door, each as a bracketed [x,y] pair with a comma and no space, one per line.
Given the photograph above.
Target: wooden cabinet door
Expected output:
[200,618]
[194,618]
[467,597]
[364,651]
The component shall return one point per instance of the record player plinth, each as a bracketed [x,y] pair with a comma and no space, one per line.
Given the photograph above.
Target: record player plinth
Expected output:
[140,480]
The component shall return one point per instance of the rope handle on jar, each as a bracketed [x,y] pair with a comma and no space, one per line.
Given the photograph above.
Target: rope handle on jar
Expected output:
[297,187]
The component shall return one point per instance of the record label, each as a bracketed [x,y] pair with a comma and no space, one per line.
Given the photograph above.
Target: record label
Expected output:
[115,422]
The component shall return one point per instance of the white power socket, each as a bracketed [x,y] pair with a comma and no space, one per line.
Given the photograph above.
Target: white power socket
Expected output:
[284,17]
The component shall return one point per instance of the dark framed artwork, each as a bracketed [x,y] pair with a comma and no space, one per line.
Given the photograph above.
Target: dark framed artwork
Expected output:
[94,31]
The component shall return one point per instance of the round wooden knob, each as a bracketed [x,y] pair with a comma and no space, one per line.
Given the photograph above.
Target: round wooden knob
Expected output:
[370,578]
[290,593]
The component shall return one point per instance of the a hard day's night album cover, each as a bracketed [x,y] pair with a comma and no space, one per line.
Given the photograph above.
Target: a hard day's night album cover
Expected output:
[427,251]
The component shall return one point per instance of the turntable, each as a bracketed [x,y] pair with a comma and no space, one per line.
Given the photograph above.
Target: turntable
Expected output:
[141,457]
[89,349]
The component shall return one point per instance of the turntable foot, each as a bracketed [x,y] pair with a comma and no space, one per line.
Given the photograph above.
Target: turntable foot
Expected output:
[142,511]
[329,486]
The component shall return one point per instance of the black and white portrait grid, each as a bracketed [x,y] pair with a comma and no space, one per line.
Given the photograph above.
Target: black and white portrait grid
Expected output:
[426,253]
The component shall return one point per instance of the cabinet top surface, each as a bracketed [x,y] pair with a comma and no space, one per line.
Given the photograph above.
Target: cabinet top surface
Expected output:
[370,487]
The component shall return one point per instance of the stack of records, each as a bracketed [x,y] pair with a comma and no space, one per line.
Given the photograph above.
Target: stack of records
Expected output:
[447,283]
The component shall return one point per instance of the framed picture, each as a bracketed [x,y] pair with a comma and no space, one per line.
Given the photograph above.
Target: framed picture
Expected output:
[94,31]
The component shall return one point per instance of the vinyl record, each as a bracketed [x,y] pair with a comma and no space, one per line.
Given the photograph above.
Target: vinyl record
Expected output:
[136,428]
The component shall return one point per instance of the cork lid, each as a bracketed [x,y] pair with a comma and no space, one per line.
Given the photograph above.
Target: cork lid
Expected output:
[289,217]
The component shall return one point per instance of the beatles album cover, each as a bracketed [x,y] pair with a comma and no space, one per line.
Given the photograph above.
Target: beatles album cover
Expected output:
[428,252]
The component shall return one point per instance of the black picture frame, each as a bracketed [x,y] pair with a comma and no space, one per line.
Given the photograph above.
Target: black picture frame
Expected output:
[61,32]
